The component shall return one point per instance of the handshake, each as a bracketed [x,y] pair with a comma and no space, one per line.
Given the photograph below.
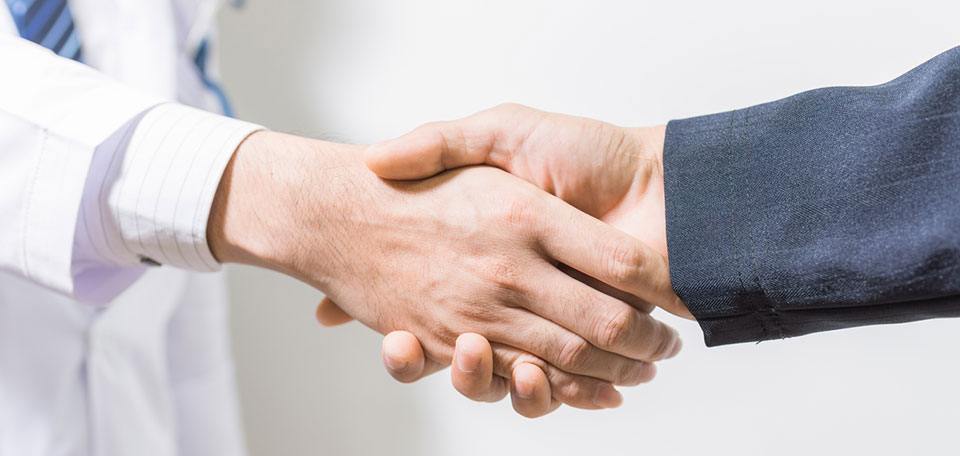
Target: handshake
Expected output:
[536,273]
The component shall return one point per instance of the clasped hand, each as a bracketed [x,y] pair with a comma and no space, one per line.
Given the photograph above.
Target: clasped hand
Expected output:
[539,282]
[608,172]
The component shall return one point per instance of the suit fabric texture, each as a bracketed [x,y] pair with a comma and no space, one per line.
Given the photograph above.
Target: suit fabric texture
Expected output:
[833,208]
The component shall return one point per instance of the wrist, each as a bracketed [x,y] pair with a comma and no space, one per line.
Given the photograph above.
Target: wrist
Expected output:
[649,149]
[232,231]
[650,141]
[265,199]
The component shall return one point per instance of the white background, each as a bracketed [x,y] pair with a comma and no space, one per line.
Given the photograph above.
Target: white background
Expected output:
[365,70]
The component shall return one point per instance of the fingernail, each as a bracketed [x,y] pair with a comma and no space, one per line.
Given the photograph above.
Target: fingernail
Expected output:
[525,389]
[395,365]
[607,397]
[467,363]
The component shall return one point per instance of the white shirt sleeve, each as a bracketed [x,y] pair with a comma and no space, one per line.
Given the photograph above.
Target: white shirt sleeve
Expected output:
[97,179]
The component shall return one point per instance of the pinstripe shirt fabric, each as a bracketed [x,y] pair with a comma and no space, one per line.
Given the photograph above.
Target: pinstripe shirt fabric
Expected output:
[102,173]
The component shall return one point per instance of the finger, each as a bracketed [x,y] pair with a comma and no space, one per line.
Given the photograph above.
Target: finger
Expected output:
[567,350]
[531,374]
[530,391]
[472,370]
[404,359]
[628,298]
[608,254]
[531,378]
[330,314]
[574,390]
[607,323]
[435,147]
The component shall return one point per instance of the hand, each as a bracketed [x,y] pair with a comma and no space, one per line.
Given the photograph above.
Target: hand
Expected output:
[480,371]
[474,250]
[486,373]
[613,173]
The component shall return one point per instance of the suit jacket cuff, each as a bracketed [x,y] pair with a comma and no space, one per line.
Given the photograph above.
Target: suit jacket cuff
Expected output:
[829,209]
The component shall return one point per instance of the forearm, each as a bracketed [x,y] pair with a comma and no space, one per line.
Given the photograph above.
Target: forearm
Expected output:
[830,209]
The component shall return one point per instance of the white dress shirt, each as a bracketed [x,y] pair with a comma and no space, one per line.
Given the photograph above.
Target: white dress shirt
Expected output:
[101,173]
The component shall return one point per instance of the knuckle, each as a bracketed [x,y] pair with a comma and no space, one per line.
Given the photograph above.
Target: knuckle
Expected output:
[647,373]
[572,391]
[430,126]
[662,343]
[622,263]
[437,336]
[615,329]
[509,107]
[573,354]
[632,374]
[520,213]
[479,315]
[503,271]
[506,359]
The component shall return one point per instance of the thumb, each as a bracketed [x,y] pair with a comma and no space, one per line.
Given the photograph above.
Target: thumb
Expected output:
[330,314]
[430,149]
[488,137]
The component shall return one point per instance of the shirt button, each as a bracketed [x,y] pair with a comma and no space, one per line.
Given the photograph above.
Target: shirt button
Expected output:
[148,261]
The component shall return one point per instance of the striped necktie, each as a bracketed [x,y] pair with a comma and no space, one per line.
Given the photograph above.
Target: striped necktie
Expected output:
[47,23]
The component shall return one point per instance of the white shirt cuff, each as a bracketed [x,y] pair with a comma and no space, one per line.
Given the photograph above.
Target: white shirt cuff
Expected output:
[148,197]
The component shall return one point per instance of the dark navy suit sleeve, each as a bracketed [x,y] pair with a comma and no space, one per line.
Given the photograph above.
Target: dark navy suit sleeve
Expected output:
[834,208]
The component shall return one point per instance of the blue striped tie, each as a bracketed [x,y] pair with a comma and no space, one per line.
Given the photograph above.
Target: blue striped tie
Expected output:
[200,59]
[49,24]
